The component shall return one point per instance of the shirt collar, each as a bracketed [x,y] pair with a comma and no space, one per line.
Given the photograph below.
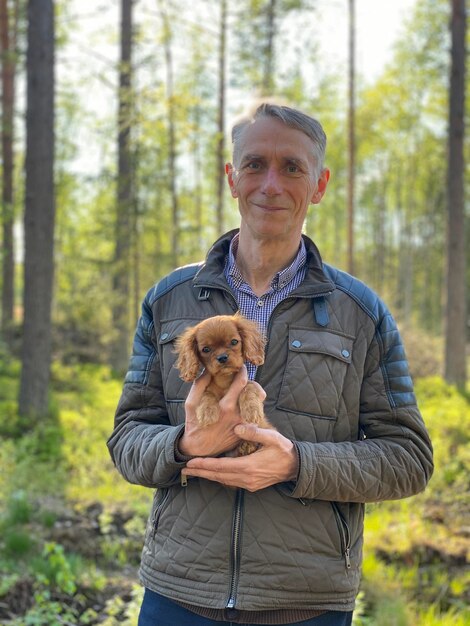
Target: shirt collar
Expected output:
[280,279]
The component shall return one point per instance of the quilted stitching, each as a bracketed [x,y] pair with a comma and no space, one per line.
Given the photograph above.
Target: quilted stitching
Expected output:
[322,397]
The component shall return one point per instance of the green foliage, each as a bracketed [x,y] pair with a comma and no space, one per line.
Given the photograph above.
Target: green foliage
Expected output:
[18,509]
[17,543]
[46,612]
[54,569]
[414,546]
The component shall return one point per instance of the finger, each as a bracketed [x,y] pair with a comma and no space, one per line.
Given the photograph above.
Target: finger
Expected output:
[197,389]
[239,383]
[260,390]
[251,432]
[228,479]
[226,464]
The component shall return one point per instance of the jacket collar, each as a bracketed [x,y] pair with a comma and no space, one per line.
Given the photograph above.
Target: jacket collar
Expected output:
[211,273]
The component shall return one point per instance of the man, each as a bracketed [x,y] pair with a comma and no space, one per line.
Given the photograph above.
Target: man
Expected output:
[274,537]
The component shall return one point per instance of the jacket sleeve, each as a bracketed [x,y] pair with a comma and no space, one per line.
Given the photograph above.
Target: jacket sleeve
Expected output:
[392,458]
[142,444]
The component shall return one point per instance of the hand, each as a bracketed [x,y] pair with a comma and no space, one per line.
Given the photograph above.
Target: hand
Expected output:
[219,437]
[275,462]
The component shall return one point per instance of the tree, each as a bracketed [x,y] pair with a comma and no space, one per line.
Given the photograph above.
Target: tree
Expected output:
[221,121]
[455,344]
[258,34]
[39,210]
[8,27]
[351,138]
[172,147]
[124,203]
[268,74]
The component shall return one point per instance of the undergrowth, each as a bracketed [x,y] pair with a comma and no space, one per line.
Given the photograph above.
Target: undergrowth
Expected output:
[71,529]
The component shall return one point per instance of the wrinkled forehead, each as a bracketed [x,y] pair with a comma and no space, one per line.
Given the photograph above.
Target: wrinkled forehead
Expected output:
[269,137]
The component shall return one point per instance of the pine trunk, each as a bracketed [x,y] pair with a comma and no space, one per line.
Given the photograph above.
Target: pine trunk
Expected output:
[8,52]
[124,205]
[351,138]
[39,211]
[220,160]
[268,77]
[455,348]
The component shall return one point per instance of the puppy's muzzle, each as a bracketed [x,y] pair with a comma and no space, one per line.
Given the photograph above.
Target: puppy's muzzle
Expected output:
[222,358]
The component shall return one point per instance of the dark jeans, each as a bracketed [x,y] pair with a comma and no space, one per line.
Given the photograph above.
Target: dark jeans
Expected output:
[156,610]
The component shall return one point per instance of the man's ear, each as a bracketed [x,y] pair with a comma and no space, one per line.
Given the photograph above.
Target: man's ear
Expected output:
[230,175]
[321,186]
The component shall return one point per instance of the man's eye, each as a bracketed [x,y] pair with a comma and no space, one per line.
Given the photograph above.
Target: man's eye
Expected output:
[206,349]
[292,169]
[254,165]
[234,342]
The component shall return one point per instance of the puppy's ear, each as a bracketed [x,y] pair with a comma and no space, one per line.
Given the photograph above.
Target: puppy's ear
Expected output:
[188,357]
[253,342]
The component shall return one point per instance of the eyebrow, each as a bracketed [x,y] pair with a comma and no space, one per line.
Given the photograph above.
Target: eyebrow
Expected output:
[258,157]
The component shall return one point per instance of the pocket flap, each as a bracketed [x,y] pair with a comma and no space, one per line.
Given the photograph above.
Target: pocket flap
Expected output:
[322,342]
[171,329]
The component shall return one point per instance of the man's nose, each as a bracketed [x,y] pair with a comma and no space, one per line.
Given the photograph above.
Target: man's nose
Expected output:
[272,182]
[222,358]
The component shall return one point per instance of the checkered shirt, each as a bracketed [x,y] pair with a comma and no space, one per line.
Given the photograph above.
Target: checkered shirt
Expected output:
[257,308]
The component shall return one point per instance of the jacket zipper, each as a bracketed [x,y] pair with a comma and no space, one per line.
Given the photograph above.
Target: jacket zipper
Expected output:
[235,548]
[344,533]
[158,512]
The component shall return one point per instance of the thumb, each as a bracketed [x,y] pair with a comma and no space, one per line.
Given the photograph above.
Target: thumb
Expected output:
[251,432]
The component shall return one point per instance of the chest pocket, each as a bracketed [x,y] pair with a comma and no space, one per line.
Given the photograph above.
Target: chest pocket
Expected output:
[317,363]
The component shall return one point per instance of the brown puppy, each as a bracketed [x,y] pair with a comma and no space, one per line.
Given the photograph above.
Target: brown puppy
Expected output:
[222,344]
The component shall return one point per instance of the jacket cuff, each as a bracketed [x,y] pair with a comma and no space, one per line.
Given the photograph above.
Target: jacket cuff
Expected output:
[289,487]
[179,457]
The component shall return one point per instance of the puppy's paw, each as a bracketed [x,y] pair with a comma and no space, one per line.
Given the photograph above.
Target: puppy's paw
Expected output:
[251,406]
[247,447]
[207,414]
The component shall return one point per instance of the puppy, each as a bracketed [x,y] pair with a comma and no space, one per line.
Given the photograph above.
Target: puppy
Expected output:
[222,344]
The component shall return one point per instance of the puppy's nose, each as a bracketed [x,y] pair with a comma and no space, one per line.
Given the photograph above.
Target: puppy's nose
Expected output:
[222,358]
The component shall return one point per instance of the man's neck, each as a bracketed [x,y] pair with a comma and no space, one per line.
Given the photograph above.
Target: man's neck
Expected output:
[260,260]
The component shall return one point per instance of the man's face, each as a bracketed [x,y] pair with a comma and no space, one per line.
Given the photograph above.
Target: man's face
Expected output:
[275,179]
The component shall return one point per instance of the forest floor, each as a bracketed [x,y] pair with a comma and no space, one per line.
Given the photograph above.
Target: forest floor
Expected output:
[71,529]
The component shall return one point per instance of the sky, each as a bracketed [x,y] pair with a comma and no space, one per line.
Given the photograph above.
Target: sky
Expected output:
[93,49]
[378,24]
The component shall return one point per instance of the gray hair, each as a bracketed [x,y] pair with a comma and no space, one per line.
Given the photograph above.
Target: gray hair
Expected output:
[290,117]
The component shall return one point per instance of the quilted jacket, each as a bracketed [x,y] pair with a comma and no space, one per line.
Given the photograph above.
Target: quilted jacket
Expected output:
[337,384]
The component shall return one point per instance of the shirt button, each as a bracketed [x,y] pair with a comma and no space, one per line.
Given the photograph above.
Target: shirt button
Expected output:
[345,353]
[164,336]
[260,303]
[296,343]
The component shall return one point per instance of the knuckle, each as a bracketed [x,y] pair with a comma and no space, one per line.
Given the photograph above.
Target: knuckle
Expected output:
[189,403]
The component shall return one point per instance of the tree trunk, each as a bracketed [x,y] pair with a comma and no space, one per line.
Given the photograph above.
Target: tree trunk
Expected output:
[198,178]
[351,138]
[124,205]
[220,158]
[8,51]
[39,211]
[456,331]
[268,75]
[175,254]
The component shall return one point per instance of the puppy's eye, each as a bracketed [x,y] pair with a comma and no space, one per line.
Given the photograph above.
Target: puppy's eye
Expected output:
[206,349]
[234,342]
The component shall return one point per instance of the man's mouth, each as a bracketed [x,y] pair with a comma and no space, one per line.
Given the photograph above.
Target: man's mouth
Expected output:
[269,207]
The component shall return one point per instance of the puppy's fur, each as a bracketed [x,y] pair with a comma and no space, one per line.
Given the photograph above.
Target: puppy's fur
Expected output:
[222,344]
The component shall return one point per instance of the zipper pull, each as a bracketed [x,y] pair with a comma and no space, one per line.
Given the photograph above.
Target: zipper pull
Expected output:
[347,559]
[184,480]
